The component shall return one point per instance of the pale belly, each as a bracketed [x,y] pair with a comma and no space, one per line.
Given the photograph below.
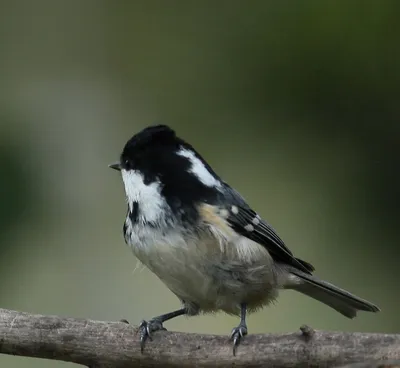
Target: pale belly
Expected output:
[212,276]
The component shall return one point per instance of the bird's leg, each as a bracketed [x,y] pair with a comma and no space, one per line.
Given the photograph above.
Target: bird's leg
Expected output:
[156,324]
[241,331]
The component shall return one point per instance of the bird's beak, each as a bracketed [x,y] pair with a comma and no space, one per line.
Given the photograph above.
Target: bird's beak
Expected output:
[115,166]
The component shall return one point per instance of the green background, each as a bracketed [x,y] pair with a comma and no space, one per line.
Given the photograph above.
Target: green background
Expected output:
[294,103]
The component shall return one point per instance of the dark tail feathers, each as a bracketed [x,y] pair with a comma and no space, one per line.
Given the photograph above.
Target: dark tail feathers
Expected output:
[336,298]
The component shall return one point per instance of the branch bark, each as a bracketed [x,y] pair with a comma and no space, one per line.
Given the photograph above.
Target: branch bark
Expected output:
[115,344]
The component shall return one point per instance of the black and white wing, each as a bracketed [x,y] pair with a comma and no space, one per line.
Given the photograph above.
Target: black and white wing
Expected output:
[248,223]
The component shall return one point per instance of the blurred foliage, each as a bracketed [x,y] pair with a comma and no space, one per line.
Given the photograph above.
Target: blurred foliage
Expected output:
[295,103]
[15,193]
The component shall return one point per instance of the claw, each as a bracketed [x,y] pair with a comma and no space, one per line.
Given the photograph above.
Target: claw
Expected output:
[144,332]
[238,333]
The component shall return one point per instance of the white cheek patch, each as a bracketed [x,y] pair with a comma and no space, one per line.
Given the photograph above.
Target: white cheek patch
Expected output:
[199,169]
[151,202]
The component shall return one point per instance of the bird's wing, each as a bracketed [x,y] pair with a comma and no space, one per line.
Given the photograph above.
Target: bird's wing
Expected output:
[249,224]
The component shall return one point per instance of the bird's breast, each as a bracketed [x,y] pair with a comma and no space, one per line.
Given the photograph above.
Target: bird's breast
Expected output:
[205,268]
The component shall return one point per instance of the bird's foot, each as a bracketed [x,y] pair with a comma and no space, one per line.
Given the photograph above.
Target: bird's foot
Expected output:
[238,333]
[147,328]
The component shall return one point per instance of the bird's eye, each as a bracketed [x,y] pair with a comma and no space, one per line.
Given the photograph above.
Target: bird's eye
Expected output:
[127,164]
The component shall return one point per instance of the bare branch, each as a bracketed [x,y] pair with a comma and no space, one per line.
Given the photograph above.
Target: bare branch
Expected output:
[115,344]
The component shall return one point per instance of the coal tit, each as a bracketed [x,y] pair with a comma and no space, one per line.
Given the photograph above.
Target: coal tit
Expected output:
[202,239]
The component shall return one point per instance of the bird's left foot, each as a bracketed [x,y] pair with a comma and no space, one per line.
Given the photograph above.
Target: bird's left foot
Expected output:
[147,328]
[238,333]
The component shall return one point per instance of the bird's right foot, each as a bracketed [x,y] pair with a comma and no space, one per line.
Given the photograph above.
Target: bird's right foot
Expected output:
[238,333]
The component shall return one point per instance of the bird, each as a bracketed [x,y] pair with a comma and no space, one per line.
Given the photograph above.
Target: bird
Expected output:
[201,238]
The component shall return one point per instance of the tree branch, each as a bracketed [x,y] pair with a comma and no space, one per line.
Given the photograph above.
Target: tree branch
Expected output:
[115,344]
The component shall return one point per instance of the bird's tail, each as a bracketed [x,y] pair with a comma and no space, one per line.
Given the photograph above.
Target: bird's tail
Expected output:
[336,298]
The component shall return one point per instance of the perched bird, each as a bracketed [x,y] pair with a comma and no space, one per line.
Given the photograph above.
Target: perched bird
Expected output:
[203,240]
